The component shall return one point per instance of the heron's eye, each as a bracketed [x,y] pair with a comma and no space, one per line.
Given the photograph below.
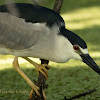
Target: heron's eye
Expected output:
[76,47]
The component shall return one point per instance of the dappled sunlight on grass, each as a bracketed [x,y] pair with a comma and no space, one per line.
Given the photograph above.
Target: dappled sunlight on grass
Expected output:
[7,63]
[82,18]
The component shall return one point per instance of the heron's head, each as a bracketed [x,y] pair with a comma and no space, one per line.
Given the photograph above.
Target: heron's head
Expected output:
[83,55]
[77,49]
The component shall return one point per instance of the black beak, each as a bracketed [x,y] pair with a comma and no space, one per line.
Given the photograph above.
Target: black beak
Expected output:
[90,62]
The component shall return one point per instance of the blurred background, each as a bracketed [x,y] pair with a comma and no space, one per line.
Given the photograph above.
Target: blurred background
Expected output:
[69,79]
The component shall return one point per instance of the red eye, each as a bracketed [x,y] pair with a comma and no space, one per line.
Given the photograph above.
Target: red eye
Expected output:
[76,47]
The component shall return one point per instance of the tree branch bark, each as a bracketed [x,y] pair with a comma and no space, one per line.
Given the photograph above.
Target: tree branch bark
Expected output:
[58,5]
[41,84]
[81,94]
[41,79]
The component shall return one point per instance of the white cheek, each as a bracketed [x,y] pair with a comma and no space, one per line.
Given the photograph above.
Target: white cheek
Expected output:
[84,51]
[76,56]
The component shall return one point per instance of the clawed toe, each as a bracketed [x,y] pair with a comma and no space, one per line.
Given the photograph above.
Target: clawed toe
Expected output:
[43,69]
[40,68]
[46,66]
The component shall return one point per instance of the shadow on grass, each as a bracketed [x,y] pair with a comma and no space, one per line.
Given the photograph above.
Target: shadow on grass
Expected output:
[13,86]
[66,81]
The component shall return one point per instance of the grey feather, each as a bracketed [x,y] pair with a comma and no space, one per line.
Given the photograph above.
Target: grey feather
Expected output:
[16,34]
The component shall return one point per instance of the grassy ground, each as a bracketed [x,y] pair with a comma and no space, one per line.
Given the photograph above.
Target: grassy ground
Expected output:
[69,79]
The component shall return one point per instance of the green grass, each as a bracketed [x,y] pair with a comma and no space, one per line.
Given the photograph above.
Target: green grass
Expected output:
[69,79]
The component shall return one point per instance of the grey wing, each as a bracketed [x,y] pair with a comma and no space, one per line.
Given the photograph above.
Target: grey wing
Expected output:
[17,34]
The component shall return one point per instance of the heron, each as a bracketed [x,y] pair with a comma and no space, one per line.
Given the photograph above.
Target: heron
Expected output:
[30,30]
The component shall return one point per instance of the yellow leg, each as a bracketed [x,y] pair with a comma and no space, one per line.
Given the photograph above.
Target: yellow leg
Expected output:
[33,86]
[44,95]
[39,68]
[30,95]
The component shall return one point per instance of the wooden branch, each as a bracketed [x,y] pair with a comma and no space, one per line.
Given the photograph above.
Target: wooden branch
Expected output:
[58,5]
[41,84]
[80,95]
[41,79]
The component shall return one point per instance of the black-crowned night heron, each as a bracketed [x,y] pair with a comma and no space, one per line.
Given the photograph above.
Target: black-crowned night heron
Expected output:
[35,31]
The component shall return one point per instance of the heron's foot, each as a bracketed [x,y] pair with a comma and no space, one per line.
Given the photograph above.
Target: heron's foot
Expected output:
[30,95]
[43,69]
[33,86]
[36,89]
[44,95]
[40,68]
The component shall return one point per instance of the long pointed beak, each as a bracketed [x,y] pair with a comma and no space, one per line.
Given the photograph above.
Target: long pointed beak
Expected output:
[90,62]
